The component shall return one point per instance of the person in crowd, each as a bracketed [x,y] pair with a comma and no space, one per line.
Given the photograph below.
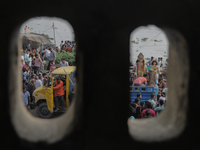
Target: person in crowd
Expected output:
[33,77]
[131,109]
[139,96]
[58,93]
[57,50]
[66,43]
[43,64]
[43,52]
[150,61]
[74,49]
[28,47]
[44,80]
[38,63]
[22,63]
[71,95]
[166,62]
[152,101]
[31,73]
[162,97]
[24,83]
[69,49]
[25,97]
[24,53]
[33,63]
[160,107]
[165,90]
[63,63]
[25,75]
[159,62]
[47,52]
[142,106]
[28,58]
[52,58]
[30,88]
[38,82]
[140,80]
[61,44]
[137,108]
[148,107]
[147,114]
[26,65]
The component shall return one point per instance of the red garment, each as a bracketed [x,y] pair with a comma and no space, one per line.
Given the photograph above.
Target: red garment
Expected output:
[152,113]
[140,80]
[34,51]
[25,66]
[58,89]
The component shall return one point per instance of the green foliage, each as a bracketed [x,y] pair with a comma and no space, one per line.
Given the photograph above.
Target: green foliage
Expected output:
[157,40]
[148,58]
[47,36]
[134,42]
[144,39]
[69,57]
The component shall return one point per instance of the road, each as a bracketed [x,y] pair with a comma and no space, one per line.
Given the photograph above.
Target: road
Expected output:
[34,113]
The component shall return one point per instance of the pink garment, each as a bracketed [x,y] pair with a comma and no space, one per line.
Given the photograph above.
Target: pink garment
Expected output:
[140,80]
[38,61]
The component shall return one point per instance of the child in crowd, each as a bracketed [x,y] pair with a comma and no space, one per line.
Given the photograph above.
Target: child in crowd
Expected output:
[43,64]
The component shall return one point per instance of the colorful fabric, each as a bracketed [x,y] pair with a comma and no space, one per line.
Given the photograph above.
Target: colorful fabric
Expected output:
[153,75]
[140,68]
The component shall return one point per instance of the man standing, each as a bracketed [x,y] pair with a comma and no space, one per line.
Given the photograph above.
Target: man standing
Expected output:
[47,52]
[38,63]
[52,58]
[63,63]
[30,88]
[61,44]
[38,82]
[24,53]
[159,62]
[58,93]
[26,97]
[152,101]
[150,61]
[25,29]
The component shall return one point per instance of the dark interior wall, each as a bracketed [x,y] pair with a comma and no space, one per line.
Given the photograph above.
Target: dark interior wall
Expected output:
[102,31]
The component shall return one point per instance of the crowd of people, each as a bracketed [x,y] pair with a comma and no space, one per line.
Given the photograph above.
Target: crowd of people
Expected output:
[35,68]
[151,107]
[153,75]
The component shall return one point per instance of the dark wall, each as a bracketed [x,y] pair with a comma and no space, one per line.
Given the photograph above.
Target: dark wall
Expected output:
[102,31]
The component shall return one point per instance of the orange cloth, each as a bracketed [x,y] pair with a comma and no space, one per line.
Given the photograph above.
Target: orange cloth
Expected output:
[58,89]
[162,82]
[69,49]
[25,28]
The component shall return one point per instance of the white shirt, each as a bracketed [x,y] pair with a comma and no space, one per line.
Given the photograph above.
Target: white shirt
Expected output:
[25,97]
[159,63]
[38,83]
[43,63]
[65,64]
[47,52]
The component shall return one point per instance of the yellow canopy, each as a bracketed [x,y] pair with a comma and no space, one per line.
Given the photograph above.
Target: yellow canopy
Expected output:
[60,70]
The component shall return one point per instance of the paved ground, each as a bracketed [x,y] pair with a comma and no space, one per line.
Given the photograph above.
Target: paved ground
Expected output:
[34,113]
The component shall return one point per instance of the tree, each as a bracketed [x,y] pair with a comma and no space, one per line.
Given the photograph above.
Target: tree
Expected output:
[69,57]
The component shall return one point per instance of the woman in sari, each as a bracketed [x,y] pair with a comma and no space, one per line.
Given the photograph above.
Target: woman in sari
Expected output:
[154,70]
